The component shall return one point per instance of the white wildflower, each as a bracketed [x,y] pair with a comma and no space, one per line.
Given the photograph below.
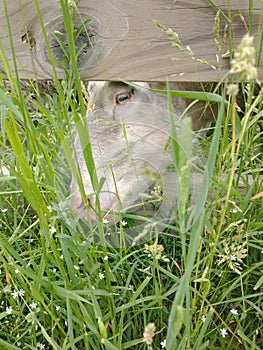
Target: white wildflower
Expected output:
[223,332]
[101,276]
[52,230]
[15,294]
[163,344]
[33,305]
[9,310]
[21,292]
[234,311]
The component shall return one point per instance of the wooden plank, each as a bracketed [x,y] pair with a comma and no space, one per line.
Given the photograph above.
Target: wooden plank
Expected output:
[125,41]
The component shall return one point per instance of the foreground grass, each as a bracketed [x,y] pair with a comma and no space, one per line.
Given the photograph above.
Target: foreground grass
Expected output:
[198,285]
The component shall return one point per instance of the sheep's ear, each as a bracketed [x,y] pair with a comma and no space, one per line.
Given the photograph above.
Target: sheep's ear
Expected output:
[91,85]
[98,85]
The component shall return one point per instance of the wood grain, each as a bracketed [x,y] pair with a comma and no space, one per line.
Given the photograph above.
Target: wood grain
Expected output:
[124,41]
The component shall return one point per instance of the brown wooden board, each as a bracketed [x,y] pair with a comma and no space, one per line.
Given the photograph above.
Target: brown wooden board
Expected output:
[124,42]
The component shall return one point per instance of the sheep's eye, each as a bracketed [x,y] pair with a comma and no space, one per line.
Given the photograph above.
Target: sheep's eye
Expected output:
[124,97]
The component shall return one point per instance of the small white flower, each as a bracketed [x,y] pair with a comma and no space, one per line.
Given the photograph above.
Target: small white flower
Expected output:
[9,310]
[233,257]
[223,332]
[203,318]
[52,230]
[124,223]
[105,221]
[4,210]
[16,271]
[40,346]
[106,258]
[15,294]
[163,344]
[261,251]
[76,267]
[57,308]
[21,292]
[211,244]
[234,311]
[101,276]
[33,305]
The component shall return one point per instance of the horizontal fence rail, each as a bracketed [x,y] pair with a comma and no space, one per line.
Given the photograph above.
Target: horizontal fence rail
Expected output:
[123,40]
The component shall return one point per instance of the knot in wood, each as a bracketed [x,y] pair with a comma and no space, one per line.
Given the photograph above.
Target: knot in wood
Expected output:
[83,43]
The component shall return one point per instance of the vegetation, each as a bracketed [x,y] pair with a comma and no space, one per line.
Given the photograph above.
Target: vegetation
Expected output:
[197,285]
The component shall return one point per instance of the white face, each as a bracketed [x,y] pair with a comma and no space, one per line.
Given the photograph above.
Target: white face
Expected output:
[129,131]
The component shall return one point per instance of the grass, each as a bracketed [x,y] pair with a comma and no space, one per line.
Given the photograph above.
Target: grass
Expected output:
[200,282]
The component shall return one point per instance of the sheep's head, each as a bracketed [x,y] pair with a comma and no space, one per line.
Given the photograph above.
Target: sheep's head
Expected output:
[129,133]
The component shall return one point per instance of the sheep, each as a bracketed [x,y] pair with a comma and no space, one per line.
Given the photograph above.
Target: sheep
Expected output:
[129,134]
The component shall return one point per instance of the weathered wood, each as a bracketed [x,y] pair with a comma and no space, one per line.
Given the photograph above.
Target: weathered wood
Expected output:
[125,43]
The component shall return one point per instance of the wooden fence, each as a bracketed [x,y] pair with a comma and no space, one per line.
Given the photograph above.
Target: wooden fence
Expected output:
[123,40]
